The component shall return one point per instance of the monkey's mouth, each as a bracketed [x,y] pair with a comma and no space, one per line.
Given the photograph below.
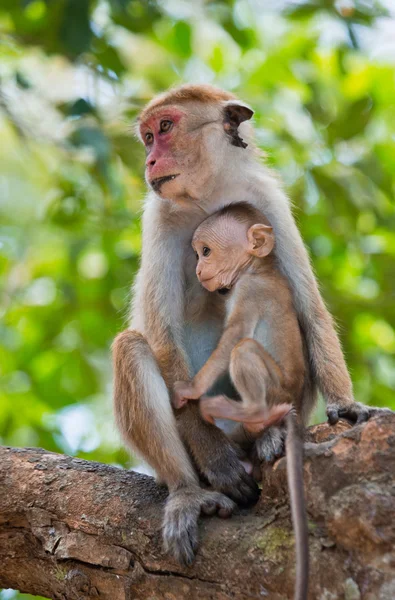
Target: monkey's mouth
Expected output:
[205,281]
[157,183]
[222,291]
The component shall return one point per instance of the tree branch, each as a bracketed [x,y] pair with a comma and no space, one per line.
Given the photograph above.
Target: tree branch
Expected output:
[73,529]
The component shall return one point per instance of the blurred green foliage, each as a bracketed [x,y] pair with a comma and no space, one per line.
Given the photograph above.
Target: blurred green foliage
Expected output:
[73,76]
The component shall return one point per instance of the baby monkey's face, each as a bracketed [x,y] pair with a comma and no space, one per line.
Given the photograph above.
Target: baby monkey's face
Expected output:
[218,264]
[224,248]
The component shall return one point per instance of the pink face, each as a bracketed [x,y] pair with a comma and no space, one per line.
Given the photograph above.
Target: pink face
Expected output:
[221,248]
[158,133]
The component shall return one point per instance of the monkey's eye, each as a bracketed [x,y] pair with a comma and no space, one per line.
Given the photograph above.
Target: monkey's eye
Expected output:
[197,256]
[206,251]
[149,138]
[165,126]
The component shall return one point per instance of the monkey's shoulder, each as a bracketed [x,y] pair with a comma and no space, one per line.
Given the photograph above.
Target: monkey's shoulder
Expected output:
[264,287]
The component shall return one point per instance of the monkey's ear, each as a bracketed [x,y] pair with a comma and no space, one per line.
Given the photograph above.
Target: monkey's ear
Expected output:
[236,112]
[260,240]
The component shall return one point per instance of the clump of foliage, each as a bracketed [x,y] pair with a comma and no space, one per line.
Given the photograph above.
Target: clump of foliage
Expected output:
[73,75]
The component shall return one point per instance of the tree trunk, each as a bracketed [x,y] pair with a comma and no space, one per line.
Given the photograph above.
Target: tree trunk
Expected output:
[73,529]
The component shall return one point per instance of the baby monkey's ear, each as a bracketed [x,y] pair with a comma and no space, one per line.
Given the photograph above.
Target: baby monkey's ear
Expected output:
[260,240]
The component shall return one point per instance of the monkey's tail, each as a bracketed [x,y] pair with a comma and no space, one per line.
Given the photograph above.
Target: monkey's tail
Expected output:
[294,453]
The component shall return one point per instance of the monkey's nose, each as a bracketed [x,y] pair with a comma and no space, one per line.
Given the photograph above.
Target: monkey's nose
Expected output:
[150,162]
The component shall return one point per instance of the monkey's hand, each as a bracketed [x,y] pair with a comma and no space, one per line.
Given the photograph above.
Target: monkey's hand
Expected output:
[356,412]
[184,391]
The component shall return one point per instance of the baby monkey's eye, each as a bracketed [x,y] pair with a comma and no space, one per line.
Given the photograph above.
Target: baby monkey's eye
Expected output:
[206,251]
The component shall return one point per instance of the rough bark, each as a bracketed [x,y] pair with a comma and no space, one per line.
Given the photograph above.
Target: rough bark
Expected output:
[73,529]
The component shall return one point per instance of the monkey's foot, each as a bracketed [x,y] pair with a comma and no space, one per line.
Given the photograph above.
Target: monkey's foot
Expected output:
[226,473]
[271,444]
[180,525]
[356,412]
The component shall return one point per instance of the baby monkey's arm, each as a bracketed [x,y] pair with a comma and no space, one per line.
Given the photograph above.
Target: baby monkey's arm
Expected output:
[216,365]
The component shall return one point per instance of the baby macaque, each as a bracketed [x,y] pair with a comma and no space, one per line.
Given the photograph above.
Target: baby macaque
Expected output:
[261,346]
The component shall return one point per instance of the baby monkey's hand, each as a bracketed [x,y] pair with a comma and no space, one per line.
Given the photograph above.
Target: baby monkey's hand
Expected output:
[184,391]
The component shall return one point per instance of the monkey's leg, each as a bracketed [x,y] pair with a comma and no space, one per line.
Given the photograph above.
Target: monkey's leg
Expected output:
[254,373]
[146,421]
[217,458]
[257,376]
[255,417]
[257,426]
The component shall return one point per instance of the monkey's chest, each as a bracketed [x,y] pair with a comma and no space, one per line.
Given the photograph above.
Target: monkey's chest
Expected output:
[204,315]
[200,339]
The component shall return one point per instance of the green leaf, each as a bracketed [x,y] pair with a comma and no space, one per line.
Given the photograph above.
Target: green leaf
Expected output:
[78,108]
[22,81]
[353,121]
[182,38]
[75,30]
[107,57]
[94,138]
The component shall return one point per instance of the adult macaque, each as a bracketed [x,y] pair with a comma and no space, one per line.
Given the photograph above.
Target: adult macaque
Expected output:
[261,347]
[198,161]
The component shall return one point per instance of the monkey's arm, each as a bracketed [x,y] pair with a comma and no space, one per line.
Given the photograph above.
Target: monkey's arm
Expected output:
[218,362]
[157,306]
[216,365]
[237,327]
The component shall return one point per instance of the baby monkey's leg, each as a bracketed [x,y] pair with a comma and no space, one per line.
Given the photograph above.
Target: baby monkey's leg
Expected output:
[254,418]
[256,376]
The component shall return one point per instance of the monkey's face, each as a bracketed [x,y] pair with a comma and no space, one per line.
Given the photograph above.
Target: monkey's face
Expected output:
[221,248]
[177,162]
[189,143]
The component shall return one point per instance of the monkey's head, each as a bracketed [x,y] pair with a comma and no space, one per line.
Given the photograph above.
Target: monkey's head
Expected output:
[228,242]
[188,134]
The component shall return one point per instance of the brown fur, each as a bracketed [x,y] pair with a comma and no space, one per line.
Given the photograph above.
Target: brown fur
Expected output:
[129,347]
[206,94]
[153,354]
